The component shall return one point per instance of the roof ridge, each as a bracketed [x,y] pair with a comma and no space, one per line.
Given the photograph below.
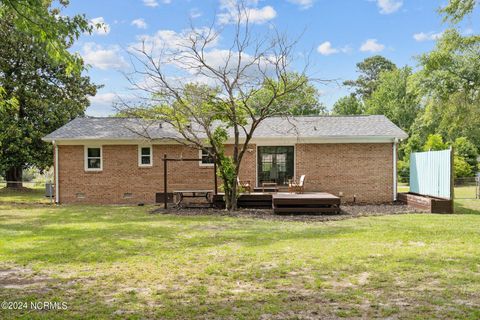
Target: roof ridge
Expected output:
[275,127]
[278,116]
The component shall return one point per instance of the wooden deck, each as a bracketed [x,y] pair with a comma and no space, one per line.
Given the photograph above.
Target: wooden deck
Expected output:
[311,202]
[246,200]
[285,202]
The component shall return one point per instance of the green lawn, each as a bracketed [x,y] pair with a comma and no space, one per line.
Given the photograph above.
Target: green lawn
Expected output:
[460,192]
[122,262]
[35,194]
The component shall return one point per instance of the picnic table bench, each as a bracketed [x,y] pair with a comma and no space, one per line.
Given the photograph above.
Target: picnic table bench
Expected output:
[180,195]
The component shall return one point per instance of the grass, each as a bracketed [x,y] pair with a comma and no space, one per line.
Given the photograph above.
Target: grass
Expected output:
[121,262]
[35,194]
[460,192]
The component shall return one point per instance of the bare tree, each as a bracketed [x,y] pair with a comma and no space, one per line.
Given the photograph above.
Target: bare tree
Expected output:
[212,96]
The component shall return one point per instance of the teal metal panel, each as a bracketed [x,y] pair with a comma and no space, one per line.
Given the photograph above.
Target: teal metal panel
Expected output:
[430,173]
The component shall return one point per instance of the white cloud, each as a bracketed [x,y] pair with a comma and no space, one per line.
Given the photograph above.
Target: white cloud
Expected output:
[101,104]
[219,59]
[103,58]
[103,98]
[139,23]
[371,45]
[303,4]
[154,3]
[230,12]
[422,36]
[169,39]
[104,28]
[389,6]
[150,3]
[167,47]
[195,13]
[326,49]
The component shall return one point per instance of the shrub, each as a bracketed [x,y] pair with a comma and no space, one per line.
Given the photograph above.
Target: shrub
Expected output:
[461,167]
[403,170]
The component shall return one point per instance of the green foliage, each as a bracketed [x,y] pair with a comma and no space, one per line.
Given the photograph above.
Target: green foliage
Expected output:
[467,150]
[434,143]
[449,83]
[348,105]
[452,67]
[369,70]
[396,98]
[456,10]
[413,144]
[38,96]
[226,168]
[461,167]
[49,29]
[301,101]
[403,170]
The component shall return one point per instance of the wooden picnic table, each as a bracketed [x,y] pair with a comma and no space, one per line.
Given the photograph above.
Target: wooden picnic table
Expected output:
[191,193]
[267,187]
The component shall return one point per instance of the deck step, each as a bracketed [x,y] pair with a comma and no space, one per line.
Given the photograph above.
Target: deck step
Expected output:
[306,210]
[283,202]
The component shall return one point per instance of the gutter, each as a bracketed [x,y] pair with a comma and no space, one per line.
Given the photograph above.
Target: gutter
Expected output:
[57,188]
[394,147]
[255,140]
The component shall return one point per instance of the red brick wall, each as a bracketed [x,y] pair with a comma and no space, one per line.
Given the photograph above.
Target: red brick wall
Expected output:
[121,174]
[364,170]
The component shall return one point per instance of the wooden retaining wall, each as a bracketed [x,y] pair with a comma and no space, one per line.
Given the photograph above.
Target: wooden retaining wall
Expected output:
[426,203]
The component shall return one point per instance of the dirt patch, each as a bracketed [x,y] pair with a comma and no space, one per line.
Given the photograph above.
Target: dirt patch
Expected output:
[347,212]
[363,278]
[23,279]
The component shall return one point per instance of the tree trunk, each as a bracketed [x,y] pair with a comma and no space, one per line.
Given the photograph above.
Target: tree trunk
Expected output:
[233,201]
[14,177]
[231,197]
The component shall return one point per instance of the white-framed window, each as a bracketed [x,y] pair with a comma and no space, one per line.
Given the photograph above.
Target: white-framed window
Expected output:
[145,156]
[93,158]
[206,158]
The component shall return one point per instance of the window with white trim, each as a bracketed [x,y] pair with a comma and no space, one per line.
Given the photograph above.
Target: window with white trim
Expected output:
[145,156]
[207,159]
[93,158]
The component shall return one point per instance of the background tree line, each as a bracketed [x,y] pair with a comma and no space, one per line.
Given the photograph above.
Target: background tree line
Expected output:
[42,84]
[437,103]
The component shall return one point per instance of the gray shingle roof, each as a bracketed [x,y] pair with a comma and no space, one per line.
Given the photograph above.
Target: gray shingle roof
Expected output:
[276,127]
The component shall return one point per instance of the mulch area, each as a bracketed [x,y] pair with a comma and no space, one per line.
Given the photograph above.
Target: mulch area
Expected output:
[347,212]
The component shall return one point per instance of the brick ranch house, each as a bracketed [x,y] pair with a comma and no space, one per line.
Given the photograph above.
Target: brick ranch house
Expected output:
[110,160]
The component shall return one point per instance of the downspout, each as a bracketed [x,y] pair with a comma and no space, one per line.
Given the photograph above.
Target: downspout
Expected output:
[394,169]
[57,191]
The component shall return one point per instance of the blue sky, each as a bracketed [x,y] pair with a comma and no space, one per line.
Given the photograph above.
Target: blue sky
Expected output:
[338,33]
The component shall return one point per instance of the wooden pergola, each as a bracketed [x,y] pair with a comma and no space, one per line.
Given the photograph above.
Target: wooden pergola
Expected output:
[165,173]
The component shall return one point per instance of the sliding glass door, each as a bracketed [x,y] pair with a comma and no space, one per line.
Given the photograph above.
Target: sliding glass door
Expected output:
[275,164]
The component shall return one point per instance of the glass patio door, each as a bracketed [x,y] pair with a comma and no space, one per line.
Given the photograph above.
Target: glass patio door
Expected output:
[275,164]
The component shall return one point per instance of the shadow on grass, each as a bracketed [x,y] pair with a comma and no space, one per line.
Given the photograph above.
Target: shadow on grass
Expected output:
[108,234]
[467,206]
[23,195]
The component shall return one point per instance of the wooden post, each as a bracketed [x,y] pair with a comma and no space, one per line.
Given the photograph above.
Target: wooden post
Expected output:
[215,177]
[165,181]
[452,174]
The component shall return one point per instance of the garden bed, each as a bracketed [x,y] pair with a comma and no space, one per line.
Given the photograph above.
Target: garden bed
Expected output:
[426,203]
